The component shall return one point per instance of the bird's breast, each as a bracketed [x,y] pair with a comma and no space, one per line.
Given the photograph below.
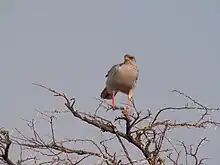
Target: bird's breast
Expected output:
[122,79]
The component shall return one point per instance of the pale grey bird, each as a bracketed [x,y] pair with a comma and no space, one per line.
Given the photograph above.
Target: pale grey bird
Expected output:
[121,78]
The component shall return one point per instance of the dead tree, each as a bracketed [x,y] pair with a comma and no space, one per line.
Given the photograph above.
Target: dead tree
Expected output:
[145,132]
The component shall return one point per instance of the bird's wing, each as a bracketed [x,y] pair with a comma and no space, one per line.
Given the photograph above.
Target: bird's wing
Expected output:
[113,69]
[137,74]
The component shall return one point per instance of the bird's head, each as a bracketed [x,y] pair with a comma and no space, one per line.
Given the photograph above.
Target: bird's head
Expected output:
[129,58]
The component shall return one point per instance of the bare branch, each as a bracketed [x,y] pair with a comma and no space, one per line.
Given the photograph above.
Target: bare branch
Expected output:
[5,145]
[143,131]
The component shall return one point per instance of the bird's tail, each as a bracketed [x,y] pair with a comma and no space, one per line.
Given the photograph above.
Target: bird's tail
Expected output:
[105,94]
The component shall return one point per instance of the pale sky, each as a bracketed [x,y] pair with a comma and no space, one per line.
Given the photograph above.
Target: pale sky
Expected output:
[70,45]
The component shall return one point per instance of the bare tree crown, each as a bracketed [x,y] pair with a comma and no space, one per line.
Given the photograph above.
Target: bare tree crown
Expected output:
[142,131]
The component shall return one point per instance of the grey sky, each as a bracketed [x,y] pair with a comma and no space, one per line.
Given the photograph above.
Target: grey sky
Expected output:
[62,43]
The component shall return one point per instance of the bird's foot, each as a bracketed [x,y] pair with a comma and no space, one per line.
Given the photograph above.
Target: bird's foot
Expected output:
[114,107]
[126,112]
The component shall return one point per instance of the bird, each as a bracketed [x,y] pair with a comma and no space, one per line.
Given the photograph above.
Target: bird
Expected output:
[122,78]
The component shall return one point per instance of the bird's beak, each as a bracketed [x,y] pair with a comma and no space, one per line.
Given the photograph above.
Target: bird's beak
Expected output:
[126,58]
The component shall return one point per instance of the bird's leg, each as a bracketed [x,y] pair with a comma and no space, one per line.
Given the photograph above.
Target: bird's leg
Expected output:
[127,110]
[129,104]
[113,100]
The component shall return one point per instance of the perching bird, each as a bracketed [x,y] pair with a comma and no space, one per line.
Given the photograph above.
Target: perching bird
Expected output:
[121,78]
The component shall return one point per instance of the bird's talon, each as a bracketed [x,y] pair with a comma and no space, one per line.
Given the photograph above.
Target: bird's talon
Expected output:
[114,107]
[126,112]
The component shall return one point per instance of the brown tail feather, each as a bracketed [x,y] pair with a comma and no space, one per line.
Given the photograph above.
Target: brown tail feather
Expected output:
[106,95]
